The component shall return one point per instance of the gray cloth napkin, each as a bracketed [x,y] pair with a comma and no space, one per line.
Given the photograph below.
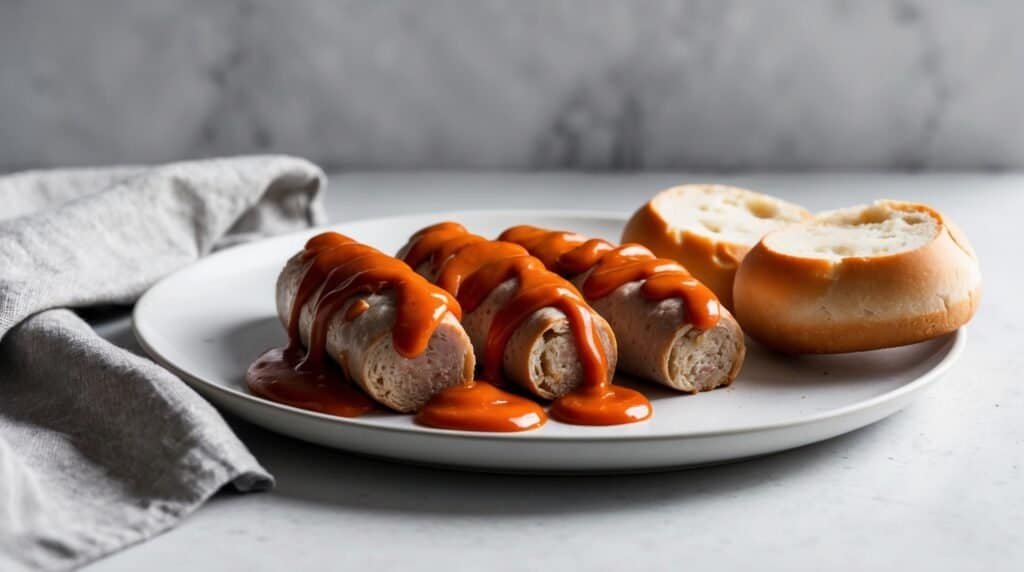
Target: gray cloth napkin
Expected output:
[101,448]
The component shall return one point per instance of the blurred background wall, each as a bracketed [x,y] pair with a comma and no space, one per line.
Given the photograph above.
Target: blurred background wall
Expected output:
[528,84]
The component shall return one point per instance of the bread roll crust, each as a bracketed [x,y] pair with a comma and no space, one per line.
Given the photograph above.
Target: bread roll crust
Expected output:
[802,304]
[711,260]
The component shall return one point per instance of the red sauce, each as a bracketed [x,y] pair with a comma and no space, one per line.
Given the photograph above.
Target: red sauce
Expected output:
[346,268]
[339,269]
[471,267]
[602,405]
[278,375]
[479,406]
[571,254]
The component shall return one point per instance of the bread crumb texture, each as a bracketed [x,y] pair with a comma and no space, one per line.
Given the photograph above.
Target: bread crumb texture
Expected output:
[878,229]
[725,213]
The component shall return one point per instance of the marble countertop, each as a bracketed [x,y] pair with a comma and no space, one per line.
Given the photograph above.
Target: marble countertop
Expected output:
[938,486]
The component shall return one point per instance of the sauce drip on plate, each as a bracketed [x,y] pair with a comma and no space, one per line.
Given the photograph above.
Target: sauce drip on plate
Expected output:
[571,254]
[278,375]
[471,267]
[479,406]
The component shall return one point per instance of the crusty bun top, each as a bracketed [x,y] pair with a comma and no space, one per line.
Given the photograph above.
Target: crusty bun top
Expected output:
[709,228]
[865,277]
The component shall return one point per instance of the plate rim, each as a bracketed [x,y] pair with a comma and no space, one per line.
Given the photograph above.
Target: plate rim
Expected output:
[953,348]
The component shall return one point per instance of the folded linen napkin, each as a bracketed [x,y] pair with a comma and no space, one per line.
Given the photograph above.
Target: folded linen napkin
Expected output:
[101,448]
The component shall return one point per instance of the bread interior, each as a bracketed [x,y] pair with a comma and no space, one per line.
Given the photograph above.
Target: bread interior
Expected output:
[724,213]
[878,229]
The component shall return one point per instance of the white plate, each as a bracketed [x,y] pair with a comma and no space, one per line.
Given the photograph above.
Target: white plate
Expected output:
[208,321]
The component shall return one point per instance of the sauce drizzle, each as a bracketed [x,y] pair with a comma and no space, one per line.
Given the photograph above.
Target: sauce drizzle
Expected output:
[340,269]
[346,268]
[471,267]
[479,406]
[571,254]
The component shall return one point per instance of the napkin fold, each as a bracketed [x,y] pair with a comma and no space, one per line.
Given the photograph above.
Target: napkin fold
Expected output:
[99,447]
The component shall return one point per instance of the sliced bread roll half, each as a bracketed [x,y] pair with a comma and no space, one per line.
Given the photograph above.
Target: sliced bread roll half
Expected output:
[709,228]
[861,278]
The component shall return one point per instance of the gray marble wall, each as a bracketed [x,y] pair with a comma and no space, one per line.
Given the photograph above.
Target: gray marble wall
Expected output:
[628,84]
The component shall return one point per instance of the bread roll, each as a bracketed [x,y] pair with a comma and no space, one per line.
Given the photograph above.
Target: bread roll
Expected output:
[709,228]
[364,348]
[861,278]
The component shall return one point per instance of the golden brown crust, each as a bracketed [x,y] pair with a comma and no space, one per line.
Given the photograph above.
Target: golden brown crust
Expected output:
[816,305]
[824,338]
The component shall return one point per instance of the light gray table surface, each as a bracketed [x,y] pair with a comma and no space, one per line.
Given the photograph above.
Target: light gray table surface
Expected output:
[935,487]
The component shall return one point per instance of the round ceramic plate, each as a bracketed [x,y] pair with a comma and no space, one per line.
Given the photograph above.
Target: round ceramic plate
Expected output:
[210,320]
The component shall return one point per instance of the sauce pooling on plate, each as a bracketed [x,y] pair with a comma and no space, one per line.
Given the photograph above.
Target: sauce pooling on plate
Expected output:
[571,254]
[471,267]
[282,375]
[480,406]
[340,269]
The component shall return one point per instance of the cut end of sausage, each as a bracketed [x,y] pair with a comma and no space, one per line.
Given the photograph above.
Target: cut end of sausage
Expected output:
[657,342]
[701,360]
[552,362]
[541,355]
[405,385]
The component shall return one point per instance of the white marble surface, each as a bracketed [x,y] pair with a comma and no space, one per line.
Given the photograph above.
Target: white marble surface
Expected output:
[936,487]
[597,84]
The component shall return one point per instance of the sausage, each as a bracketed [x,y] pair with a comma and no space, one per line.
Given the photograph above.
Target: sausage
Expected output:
[543,351]
[670,328]
[360,334]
